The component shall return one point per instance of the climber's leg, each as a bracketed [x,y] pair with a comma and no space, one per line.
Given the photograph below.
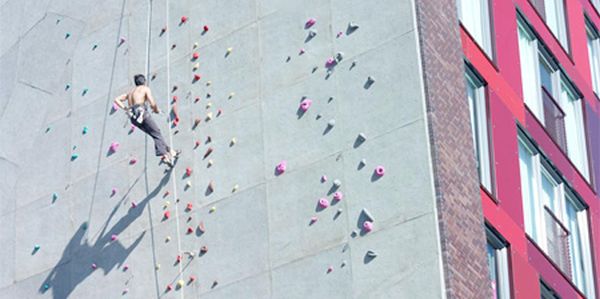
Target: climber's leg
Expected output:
[160,146]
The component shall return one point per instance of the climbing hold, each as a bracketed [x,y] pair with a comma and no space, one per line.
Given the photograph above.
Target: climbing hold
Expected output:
[363,162]
[219,112]
[196,66]
[210,162]
[339,211]
[167,239]
[125,291]
[331,123]
[113,191]
[208,83]
[167,203]
[211,186]
[330,269]
[305,104]
[74,156]
[368,226]
[114,146]
[197,77]
[343,264]
[207,153]
[196,123]
[133,204]
[337,183]
[339,56]
[209,116]
[362,136]
[189,206]
[235,188]
[368,215]
[323,179]
[188,171]
[167,215]
[184,19]
[352,27]
[312,33]
[67,35]
[330,62]
[370,81]
[125,267]
[180,283]
[302,51]
[201,227]
[323,203]
[339,34]
[36,247]
[85,130]
[188,184]
[175,98]
[353,64]
[197,142]
[379,170]
[310,22]
[169,287]
[371,254]
[208,105]
[113,237]
[192,278]
[54,196]
[122,40]
[313,219]
[213,209]
[157,266]
[190,230]
[178,259]
[132,161]
[281,167]
[231,94]
[229,50]
[163,30]
[195,45]
[46,286]
[94,47]
[84,92]
[233,141]
[69,86]
[338,196]
[205,28]
[94,266]
[195,55]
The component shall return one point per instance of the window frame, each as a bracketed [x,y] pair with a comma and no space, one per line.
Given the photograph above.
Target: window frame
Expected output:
[502,252]
[487,45]
[563,192]
[591,29]
[484,150]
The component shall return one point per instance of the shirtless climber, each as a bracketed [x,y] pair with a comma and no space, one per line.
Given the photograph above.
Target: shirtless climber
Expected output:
[139,116]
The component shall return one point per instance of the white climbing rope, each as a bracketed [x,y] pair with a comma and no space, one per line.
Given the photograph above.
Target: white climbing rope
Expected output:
[174,175]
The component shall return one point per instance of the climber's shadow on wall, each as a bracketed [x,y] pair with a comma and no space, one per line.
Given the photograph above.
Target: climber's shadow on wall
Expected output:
[78,256]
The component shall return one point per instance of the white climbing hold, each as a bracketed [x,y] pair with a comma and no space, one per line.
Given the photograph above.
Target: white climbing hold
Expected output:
[331,123]
[337,183]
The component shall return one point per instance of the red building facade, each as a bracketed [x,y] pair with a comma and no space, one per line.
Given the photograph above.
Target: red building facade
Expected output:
[540,191]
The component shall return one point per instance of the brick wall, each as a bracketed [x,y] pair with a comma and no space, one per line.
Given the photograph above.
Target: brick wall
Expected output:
[460,214]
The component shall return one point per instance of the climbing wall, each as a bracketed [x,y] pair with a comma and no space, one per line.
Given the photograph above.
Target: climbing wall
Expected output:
[305,168]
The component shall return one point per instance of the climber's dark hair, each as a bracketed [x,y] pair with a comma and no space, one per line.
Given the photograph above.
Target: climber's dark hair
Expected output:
[139,79]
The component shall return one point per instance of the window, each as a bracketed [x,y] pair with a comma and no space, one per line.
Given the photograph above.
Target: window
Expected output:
[498,264]
[547,292]
[475,16]
[479,126]
[555,218]
[553,13]
[596,4]
[593,53]
[552,98]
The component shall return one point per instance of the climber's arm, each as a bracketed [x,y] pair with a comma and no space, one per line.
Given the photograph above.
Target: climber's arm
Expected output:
[120,99]
[151,100]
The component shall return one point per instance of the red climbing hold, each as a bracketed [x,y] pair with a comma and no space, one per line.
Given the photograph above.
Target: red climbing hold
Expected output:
[197,143]
[208,151]
[192,278]
[184,19]
[169,287]
[197,77]
[189,206]
[179,258]
[195,55]
[190,230]
[175,98]
[188,171]
[205,28]
[167,215]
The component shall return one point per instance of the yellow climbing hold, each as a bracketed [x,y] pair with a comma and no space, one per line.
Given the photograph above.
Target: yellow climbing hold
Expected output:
[229,50]
[180,283]
[210,162]
[208,83]
[235,188]
[213,209]
[231,95]
[157,266]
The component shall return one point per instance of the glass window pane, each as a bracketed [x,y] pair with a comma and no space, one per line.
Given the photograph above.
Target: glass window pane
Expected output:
[546,75]
[574,129]
[474,15]
[528,190]
[530,85]
[575,246]
[492,265]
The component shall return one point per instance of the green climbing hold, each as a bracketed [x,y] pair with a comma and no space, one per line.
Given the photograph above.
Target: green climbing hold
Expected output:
[36,247]
[46,286]
[67,86]
[94,47]
[54,196]
[74,156]
[85,130]
[85,90]
[47,129]
[67,35]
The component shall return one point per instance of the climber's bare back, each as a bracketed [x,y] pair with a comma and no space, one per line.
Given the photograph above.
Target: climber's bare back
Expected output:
[138,95]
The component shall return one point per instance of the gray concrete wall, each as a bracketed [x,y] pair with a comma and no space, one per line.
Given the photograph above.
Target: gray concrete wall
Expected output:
[259,238]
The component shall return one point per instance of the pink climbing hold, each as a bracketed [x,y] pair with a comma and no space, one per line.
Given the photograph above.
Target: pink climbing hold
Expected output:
[190,230]
[368,226]
[175,98]
[323,203]
[167,215]
[338,196]
[330,269]
[189,206]
[195,55]
[310,22]
[122,40]
[114,146]
[115,107]
[313,219]
[133,161]
[114,237]
[305,104]
[94,266]
[339,34]
[281,167]
[323,178]
[302,51]
[188,171]
[184,19]
[330,62]
[133,204]
[379,170]
[125,267]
